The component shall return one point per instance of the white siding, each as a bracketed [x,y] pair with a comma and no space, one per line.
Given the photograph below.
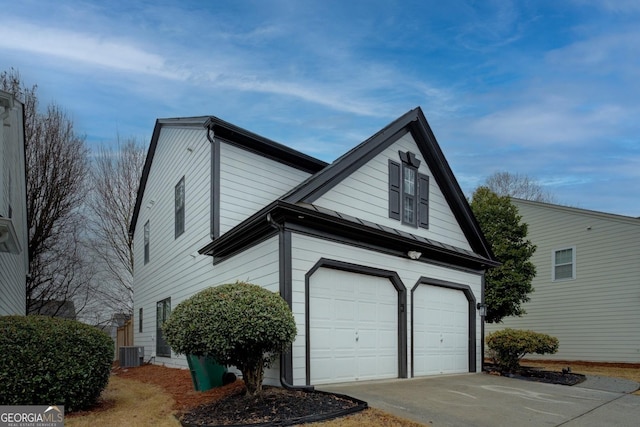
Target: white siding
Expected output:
[13,267]
[364,194]
[249,182]
[595,316]
[307,251]
[175,269]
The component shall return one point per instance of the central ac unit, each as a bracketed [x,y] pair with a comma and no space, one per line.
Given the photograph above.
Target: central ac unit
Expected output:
[131,356]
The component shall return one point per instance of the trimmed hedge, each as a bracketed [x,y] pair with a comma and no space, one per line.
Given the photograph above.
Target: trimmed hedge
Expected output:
[509,346]
[238,324]
[48,361]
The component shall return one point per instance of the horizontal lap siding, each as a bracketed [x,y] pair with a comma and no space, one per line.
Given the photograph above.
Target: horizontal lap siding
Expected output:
[13,267]
[364,194]
[175,269]
[249,182]
[307,251]
[595,316]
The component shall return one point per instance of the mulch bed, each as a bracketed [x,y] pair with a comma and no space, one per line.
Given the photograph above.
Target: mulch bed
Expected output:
[274,406]
[566,377]
[229,405]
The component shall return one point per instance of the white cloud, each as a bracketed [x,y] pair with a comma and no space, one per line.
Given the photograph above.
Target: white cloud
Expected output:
[84,48]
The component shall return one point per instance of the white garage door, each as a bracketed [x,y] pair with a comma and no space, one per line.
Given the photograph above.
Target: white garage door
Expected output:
[441,331]
[353,327]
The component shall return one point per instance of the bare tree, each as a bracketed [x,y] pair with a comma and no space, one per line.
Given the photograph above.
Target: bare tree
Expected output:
[57,167]
[116,176]
[519,186]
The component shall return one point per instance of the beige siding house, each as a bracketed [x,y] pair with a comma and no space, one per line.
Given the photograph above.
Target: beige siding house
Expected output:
[14,262]
[377,254]
[587,286]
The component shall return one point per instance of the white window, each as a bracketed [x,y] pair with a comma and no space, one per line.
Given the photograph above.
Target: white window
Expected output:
[179,203]
[146,242]
[564,264]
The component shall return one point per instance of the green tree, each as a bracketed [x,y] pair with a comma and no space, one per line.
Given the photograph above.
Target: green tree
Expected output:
[506,287]
[238,324]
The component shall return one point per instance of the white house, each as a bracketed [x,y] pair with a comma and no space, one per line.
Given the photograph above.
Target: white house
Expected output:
[587,286]
[14,258]
[377,254]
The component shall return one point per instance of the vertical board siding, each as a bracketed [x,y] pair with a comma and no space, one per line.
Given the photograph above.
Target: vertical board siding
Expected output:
[249,182]
[307,251]
[595,316]
[13,267]
[364,194]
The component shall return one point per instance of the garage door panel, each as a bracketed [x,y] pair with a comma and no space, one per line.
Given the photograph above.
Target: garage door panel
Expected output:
[441,331]
[357,321]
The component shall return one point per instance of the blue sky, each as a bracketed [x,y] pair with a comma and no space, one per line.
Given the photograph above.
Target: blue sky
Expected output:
[549,89]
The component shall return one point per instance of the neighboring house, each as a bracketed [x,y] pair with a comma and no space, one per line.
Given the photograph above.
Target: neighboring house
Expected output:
[377,254]
[14,258]
[587,286]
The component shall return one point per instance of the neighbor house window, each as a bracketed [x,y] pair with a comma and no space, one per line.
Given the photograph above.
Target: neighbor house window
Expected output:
[146,242]
[140,320]
[408,191]
[163,310]
[564,264]
[179,198]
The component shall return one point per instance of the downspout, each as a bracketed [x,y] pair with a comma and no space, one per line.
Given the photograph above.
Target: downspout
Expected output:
[283,380]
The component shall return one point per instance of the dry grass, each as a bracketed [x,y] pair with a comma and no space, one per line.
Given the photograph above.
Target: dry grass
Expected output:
[129,403]
[369,417]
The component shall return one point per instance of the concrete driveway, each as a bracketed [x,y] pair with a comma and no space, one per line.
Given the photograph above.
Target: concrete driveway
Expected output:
[487,400]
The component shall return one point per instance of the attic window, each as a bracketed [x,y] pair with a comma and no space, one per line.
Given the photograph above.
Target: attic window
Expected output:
[408,191]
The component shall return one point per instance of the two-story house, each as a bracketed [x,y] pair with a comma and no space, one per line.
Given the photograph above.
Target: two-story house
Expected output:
[377,254]
[587,284]
[14,258]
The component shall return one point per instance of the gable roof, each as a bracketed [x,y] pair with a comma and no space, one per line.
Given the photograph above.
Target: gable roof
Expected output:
[232,134]
[415,122]
[294,205]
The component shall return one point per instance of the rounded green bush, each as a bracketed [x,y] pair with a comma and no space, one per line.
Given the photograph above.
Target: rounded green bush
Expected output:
[510,345]
[239,324]
[48,361]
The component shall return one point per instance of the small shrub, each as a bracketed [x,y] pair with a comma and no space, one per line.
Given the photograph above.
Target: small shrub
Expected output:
[47,361]
[509,346]
[238,324]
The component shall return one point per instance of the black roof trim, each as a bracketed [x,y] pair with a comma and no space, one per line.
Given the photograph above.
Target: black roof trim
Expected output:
[187,122]
[231,134]
[265,147]
[415,122]
[315,220]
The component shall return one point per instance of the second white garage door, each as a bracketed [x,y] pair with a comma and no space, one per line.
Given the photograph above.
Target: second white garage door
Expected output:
[440,331]
[353,327]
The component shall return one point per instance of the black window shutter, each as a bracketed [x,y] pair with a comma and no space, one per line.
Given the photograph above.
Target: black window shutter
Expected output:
[394,190]
[423,202]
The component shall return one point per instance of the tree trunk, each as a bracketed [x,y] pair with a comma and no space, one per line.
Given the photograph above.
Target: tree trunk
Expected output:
[253,376]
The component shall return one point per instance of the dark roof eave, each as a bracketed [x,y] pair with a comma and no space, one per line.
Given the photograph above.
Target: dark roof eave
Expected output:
[258,226]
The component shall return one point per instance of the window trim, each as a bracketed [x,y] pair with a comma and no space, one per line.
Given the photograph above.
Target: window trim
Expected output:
[396,194]
[147,238]
[161,343]
[554,265]
[414,197]
[179,214]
